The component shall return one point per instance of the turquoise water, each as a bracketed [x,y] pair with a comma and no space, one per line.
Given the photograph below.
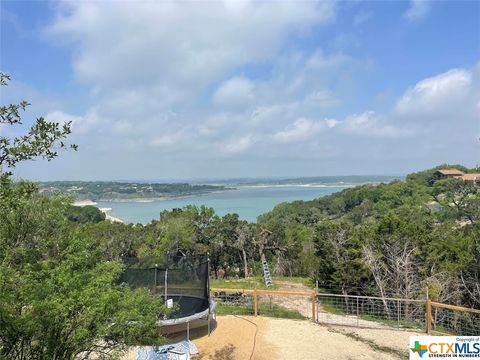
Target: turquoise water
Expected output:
[247,201]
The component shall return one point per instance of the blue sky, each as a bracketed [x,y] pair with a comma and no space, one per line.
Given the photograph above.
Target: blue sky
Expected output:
[161,90]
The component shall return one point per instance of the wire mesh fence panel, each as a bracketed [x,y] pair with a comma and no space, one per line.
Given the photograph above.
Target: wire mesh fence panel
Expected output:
[455,322]
[233,302]
[370,312]
[349,310]
[264,303]
[284,306]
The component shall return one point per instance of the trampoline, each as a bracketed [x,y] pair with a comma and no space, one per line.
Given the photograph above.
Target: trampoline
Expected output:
[181,281]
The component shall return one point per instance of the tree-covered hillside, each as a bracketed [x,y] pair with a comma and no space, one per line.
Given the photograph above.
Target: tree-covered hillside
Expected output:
[111,190]
[396,239]
[392,239]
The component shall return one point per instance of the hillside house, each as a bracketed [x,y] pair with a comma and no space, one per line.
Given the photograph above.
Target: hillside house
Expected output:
[457,174]
[449,173]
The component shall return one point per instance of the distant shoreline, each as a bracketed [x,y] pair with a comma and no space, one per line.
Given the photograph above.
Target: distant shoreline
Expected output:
[84,203]
[87,193]
[148,199]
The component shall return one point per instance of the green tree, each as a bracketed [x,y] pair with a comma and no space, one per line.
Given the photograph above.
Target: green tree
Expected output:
[339,252]
[60,298]
[224,251]
[461,196]
[84,214]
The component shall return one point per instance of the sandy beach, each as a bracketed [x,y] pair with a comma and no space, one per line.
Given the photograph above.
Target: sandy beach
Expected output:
[84,203]
[110,217]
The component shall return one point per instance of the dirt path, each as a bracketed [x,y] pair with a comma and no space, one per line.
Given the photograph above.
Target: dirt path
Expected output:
[286,339]
[302,304]
[292,286]
[234,338]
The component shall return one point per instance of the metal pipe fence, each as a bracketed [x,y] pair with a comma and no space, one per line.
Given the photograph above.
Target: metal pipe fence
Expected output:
[454,320]
[370,311]
[351,310]
[283,304]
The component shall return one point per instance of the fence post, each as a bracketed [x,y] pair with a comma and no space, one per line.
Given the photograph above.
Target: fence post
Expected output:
[255,302]
[429,316]
[314,298]
[155,284]
[398,314]
[358,313]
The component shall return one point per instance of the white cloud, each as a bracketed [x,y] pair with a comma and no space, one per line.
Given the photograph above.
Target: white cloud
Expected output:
[177,44]
[238,145]
[418,9]
[62,117]
[301,130]
[168,140]
[371,125]
[319,60]
[151,68]
[331,123]
[171,80]
[122,127]
[235,91]
[270,114]
[80,124]
[323,98]
[360,121]
[435,93]
[217,125]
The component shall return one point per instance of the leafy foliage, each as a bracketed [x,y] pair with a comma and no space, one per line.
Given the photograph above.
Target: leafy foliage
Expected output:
[84,214]
[59,292]
[60,297]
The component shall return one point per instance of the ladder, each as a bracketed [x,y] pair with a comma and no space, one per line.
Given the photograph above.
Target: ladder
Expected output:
[266,274]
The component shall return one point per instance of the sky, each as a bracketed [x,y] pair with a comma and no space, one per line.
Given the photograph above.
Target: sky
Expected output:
[227,89]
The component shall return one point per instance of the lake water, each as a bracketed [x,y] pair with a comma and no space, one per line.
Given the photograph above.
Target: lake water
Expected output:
[247,201]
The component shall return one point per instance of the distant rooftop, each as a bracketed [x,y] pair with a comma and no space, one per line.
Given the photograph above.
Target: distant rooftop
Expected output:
[455,173]
[451,172]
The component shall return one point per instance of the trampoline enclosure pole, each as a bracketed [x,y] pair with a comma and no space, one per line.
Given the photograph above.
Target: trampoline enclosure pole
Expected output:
[155,284]
[166,282]
[209,323]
